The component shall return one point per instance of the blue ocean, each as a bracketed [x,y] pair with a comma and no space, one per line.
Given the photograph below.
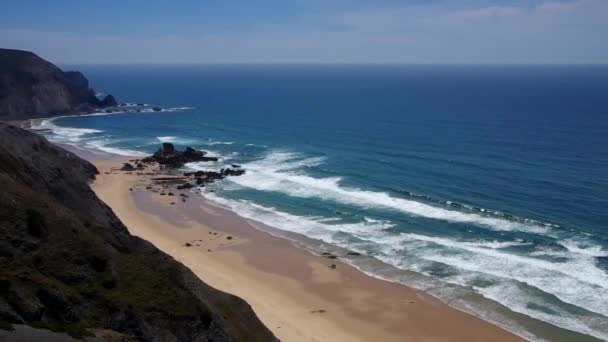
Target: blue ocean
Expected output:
[486,186]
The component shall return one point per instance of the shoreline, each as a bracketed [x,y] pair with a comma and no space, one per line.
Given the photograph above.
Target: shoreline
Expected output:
[298,295]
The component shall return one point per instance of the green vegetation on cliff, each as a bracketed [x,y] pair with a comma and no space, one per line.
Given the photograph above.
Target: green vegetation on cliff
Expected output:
[67,264]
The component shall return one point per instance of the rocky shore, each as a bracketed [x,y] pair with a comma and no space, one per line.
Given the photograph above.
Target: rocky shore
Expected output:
[298,295]
[69,265]
[167,161]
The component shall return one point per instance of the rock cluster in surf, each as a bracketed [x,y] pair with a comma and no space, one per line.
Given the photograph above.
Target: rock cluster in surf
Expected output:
[169,157]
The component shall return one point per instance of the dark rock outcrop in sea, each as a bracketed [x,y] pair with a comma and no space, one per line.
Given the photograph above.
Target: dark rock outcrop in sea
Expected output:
[68,264]
[108,101]
[204,177]
[167,155]
[171,158]
[32,87]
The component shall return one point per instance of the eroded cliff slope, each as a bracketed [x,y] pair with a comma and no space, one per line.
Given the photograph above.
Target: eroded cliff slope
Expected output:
[68,264]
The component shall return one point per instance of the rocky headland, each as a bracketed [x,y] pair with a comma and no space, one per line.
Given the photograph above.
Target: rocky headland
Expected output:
[32,87]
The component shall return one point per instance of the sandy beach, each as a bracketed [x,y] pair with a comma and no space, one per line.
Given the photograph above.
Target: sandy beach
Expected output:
[298,295]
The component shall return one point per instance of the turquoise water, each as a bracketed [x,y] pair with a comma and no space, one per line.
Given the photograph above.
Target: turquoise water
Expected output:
[485,186]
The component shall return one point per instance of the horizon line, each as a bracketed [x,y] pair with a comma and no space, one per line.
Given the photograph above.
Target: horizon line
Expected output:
[326,64]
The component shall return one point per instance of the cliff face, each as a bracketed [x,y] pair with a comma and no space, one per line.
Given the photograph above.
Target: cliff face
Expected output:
[32,87]
[68,264]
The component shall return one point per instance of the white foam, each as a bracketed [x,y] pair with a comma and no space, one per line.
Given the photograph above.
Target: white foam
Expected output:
[81,137]
[166,139]
[224,161]
[176,109]
[576,281]
[102,145]
[207,166]
[220,143]
[278,173]
[64,134]
[132,104]
[177,140]
[512,296]
[313,227]
[516,298]
[589,250]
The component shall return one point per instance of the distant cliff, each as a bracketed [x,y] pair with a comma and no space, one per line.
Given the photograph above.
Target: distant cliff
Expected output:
[68,264]
[32,87]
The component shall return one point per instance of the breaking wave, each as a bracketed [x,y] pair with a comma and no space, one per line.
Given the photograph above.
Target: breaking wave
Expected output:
[103,145]
[491,268]
[63,134]
[277,173]
[514,272]
[87,138]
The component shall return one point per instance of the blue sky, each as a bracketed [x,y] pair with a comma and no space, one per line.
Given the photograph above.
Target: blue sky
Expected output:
[309,31]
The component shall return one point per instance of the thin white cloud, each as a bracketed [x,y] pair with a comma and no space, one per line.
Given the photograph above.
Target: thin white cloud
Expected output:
[549,32]
[492,12]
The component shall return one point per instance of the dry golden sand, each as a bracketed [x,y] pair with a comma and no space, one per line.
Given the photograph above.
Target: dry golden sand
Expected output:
[296,294]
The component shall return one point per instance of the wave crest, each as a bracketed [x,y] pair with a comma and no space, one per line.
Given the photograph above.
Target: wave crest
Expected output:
[277,172]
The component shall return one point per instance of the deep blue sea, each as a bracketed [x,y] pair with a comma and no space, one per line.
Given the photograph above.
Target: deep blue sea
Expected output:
[486,186]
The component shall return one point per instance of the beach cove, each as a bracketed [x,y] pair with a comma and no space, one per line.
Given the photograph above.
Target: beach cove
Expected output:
[299,296]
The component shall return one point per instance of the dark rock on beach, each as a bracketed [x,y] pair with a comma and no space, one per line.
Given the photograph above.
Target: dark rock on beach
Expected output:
[185,186]
[127,167]
[205,175]
[32,87]
[328,255]
[68,264]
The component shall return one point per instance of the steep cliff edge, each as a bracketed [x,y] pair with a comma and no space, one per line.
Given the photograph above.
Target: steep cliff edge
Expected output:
[32,87]
[68,264]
